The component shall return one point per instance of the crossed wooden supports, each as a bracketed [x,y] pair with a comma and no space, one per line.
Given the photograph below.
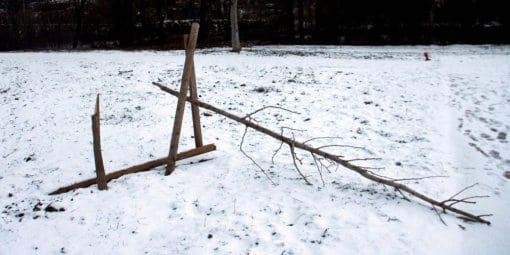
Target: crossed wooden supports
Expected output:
[188,83]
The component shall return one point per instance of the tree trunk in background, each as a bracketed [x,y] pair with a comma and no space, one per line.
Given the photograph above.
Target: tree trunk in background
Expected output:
[234,26]
[79,6]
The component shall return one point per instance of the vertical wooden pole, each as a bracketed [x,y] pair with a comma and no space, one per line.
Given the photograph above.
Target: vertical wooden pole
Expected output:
[98,157]
[179,112]
[195,111]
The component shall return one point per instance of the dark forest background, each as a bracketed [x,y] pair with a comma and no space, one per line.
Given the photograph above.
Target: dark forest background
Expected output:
[85,24]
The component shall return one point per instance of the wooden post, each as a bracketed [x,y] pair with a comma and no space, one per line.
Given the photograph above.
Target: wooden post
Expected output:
[98,157]
[195,110]
[181,101]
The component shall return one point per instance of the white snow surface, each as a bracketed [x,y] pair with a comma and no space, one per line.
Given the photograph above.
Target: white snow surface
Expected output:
[446,117]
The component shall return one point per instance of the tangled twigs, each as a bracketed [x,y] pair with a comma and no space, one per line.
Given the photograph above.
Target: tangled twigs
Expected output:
[346,164]
[291,145]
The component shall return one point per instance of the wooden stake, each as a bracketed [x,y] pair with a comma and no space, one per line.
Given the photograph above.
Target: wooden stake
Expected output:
[135,169]
[181,101]
[195,110]
[98,157]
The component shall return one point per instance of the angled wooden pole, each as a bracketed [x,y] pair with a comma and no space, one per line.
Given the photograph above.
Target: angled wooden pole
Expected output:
[98,157]
[195,110]
[181,101]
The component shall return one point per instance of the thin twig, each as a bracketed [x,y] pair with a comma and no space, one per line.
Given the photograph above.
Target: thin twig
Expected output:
[321,137]
[464,200]
[295,155]
[267,107]
[281,144]
[380,176]
[403,195]
[371,168]
[291,145]
[277,150]
[420,178]
[439,215]
[458,193]
[252,160]
[293,129]
[363,159]
[319,168]
[339,145]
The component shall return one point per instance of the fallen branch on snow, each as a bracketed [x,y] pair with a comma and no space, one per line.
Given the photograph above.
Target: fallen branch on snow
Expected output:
[363,171]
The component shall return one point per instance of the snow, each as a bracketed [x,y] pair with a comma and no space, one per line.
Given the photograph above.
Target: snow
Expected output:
[446,117]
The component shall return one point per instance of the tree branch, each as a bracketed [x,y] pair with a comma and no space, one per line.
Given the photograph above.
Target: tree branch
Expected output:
[348,165]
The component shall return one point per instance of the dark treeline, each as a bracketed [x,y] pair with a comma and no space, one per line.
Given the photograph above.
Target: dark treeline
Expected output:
[64,24]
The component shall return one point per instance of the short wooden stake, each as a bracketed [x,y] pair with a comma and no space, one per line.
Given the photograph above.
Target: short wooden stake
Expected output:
[98,157]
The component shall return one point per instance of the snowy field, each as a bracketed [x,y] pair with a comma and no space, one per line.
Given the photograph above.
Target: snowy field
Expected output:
[446,117]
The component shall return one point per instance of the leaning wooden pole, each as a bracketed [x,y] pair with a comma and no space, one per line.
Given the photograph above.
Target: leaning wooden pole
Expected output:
[195,111]
[98,156]
[363,172]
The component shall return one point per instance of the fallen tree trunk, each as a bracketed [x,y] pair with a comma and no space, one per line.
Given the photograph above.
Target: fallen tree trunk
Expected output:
[363,172]
[137,168]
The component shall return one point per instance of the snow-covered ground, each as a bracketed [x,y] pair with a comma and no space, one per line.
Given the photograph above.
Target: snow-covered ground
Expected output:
[449,116]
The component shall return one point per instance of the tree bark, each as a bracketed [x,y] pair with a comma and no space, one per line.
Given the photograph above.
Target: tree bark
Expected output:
[361,171]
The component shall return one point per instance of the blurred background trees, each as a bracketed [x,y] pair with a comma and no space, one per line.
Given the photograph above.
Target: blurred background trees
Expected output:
[64,24]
